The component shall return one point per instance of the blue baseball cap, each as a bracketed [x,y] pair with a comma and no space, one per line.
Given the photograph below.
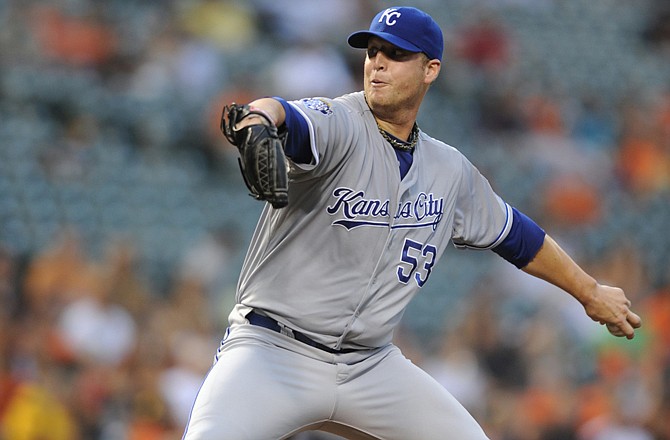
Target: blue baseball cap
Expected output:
[408,28]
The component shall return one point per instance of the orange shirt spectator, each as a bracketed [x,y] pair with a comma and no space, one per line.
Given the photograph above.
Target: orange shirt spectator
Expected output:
[74,40]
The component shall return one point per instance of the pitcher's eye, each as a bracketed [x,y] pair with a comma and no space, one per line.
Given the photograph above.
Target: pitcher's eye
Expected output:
[391,52]
[372,52]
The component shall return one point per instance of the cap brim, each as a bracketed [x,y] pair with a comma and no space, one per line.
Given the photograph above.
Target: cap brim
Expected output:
[359,40]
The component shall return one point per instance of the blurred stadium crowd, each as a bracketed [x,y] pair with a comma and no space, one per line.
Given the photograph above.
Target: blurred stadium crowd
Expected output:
[123,218]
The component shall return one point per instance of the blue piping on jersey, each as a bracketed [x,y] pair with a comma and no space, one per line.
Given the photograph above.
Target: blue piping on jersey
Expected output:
[509,219]
[299,142]
[523,241]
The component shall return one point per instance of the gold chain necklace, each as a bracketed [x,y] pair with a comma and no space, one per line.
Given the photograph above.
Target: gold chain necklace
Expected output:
[397,143]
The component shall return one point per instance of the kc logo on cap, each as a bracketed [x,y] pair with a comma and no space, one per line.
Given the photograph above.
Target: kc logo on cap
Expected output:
[408,28]
[390,15]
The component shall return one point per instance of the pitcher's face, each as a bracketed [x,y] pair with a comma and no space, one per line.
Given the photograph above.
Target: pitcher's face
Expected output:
[396,78]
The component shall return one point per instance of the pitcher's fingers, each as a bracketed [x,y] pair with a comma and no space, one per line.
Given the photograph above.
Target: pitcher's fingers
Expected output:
[627,329]
[615,330]
[634,319]
[621,328]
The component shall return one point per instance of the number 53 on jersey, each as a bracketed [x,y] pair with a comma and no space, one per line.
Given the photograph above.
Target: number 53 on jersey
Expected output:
[416,262]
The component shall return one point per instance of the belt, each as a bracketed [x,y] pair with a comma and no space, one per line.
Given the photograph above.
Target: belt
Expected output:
[255,318]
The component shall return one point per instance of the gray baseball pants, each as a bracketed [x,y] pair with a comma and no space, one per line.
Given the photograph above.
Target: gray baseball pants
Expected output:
[268,386]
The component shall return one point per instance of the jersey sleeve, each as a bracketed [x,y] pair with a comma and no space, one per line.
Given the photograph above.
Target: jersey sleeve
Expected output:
[523,241]
[297,146]
[332,132]
[482,219]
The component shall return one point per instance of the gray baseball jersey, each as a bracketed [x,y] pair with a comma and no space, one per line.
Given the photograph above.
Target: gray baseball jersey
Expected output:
[356,243]
[340,264]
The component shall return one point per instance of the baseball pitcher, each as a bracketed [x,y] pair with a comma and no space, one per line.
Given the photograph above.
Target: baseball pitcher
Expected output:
[360,206]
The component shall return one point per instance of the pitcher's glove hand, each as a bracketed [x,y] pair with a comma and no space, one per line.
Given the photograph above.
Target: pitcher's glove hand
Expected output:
[262,160]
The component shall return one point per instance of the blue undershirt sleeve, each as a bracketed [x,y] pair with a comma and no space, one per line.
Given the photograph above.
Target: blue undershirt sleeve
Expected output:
[297,146]
[523,241]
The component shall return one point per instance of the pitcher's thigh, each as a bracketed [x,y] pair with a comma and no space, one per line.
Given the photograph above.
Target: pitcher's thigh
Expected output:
[396,400]
[258,391]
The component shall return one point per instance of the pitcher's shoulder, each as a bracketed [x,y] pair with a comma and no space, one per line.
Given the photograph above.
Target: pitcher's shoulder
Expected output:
[437,146]
[354,101]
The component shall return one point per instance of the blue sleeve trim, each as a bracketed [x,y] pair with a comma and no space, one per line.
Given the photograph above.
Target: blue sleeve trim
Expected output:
[297,146]
[523,241]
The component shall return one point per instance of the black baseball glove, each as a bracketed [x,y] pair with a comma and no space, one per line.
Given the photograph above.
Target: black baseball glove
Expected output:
[262,160]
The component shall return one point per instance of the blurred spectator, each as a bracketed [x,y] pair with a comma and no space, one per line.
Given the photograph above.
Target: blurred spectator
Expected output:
[594,127]
[458,369]
[34,412]
[34,402]
[209,261]
[573,175]
[229,25]
[311,69]
[179,383]
[657,310]
[154,76]
[614,428]
[570,200]
[484,42]
[499,110]
[642,160]
[57,275]
[500,356]
[186,326]
[95,328]
[199,71]
[543,114]
[81,39]
[186,308]
[149,418]
[300,21]
[127,286]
